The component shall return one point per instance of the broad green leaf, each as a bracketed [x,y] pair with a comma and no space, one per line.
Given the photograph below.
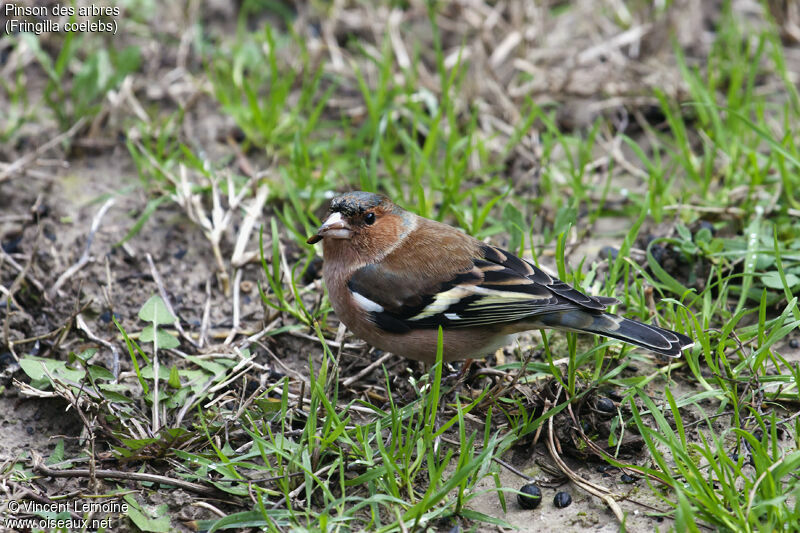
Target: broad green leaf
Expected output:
[174,380]
[165,339]
[772,280]
[155,520]
[32,366]
[100,372]
[155,310]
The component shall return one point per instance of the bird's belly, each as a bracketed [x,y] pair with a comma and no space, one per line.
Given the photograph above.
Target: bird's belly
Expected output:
[421,345]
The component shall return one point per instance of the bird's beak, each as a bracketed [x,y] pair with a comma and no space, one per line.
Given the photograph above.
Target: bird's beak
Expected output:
[334,226]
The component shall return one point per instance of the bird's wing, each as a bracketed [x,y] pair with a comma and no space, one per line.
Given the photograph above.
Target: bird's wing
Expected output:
[498,288]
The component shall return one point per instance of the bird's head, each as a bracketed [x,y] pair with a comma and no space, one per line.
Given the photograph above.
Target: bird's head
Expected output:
[366,224]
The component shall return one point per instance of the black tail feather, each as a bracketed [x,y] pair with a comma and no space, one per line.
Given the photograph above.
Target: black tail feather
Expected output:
[653,338]
[659,340]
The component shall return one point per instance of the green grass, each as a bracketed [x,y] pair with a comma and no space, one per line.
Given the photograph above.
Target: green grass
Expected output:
[721,201]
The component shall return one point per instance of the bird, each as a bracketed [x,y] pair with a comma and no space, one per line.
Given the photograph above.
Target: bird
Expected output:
[394,278]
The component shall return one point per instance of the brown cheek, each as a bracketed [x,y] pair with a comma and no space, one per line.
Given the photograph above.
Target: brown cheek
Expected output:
[388,230]
[371,241]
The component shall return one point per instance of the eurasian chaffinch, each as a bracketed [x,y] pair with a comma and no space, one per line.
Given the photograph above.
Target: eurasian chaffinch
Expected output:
[394,277]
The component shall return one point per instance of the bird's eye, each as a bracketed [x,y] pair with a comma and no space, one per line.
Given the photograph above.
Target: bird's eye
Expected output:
[369,218]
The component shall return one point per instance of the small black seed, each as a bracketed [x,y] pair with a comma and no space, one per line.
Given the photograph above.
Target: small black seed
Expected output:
[794,344]
[274,375]
[705,224]
[105,316]
[531,496]
[11,246]
[29,430]
[562,499]
[608,252]
[605,405]
[180,253]
[625,478]
[600,469]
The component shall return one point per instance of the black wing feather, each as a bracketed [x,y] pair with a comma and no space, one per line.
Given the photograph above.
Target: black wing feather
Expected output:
[499,288]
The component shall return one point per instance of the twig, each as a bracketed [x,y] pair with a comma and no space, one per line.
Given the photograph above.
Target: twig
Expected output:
[156,425]
[618,41]
[203,340]
[596,490]
[85,328]
[75,401]
[23,271]
[366,370]
[40,468]
[237,282]
[208,506]
[63,329]
[21,492]
[85,256]
[162,291]
[510,468]
[30,157]
[253,213]
[331,343]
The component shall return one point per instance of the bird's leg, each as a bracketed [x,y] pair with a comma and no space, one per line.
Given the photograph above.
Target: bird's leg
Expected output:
[464,372]
[457,378]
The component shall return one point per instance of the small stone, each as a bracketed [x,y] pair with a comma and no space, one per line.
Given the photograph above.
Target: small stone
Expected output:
[562,499]
[606,405]
[106,316]
[794,344]
[625,478]
[530,497]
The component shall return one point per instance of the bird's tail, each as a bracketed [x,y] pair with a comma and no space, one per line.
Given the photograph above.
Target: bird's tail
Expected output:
[659,340]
